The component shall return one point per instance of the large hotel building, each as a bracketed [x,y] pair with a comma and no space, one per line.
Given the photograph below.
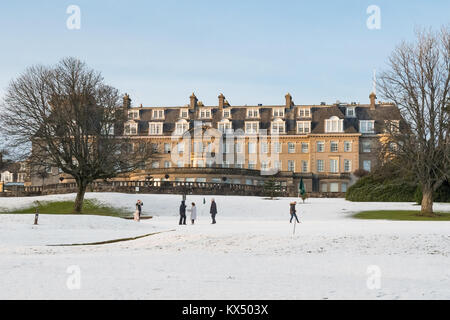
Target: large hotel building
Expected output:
[323,144]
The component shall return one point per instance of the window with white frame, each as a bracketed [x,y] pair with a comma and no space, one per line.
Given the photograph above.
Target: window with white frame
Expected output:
[252,113]
[320,146]
[224,126]
[334,146]
[324,187]
[366,146]
[278,112]
[304,166]
[239,165]
[252,147]
[350,112]
[304,113]
[226,113]
[305,147]
[167,164]
[264,147]
[205,113]
[155,128]
[131,128]
[158,114]
[278,126]
[347,146]
[291,147]
[291,165]
[264,165]
[303,127]
[252,164]
[181,127]
[277,165]
[133,114]
[180,147]
[277,147]
[239,147]
[347,165]
[344,187]
[320,166]
[155,164]
[367,126]
[334,124]
[367,165]
[167,147]
[334,166]
[334,187]
[228,147]
[251,127]
[184,113]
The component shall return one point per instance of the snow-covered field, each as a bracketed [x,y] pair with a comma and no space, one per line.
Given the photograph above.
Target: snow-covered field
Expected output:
[251,253]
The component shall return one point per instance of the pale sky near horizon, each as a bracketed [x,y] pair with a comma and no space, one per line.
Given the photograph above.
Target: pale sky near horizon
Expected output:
[253,51]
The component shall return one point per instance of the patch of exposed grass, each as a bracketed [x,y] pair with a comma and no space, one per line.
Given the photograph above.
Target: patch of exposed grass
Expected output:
[90,207]
[408,215]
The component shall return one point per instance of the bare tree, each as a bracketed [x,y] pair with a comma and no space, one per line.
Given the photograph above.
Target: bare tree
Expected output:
[64,116]
[418,81]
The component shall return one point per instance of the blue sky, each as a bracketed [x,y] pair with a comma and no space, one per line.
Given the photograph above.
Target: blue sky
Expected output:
[252,51]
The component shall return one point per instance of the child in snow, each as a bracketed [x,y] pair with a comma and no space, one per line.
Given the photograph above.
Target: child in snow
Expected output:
[193,211]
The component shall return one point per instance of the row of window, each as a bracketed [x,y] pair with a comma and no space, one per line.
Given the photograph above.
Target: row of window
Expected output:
[206,113]
[333,165]
[333,125]
[252,147]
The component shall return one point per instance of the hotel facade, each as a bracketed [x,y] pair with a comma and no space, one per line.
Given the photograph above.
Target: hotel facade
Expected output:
[322,144]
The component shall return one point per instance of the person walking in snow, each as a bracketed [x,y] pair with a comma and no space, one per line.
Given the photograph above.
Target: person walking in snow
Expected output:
[293,211]
[139,205]
[193,211]
[182,213]
[213,210]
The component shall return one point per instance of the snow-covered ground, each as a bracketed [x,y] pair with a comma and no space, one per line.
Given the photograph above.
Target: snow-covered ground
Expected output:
[251,253]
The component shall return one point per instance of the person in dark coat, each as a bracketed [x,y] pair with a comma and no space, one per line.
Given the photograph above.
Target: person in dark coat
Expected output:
[182,213]
[213,210]
[293,212]
[139,205]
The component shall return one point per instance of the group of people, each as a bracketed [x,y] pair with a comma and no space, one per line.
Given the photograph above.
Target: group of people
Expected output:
[212,211]
[193,211]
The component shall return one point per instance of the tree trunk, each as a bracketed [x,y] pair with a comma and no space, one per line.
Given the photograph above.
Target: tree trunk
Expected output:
[427,201]
[78,207]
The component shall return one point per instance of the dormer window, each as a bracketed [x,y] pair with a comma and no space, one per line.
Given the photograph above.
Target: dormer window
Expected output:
[184,113]
[278,112]
[225,126]
[350,112]
[334,124]
[367,126]
[155,128]
[304,113]
[131,128]
[205,114]
[278,126]
[252,113]
[181,127]
[133,114]
[251,127]
[226,114]
[303,127]
[158,114]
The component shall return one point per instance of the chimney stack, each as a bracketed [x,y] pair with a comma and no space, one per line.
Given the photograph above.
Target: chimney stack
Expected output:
[372,98]
[289,102]
[193,101]
[221,101]
[126,101]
